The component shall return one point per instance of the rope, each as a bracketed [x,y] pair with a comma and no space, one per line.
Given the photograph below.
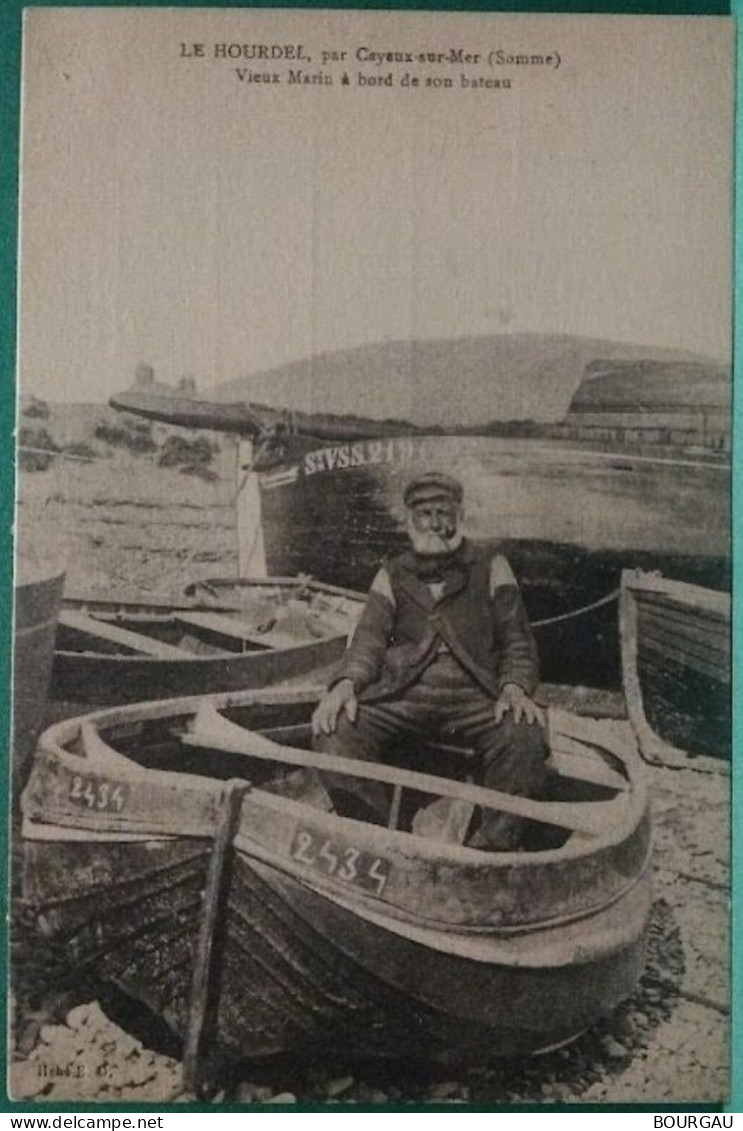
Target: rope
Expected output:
[578,612]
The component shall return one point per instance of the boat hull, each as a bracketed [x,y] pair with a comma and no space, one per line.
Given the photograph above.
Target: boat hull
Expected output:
[304,974]
[569,519]
[88,672]
[80,681]
[677,667]
[37,606]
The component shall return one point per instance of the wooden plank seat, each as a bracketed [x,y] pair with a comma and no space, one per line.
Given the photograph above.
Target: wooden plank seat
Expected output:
[448,819]
[232,628]
[568,757]
[211,730]
[126,641]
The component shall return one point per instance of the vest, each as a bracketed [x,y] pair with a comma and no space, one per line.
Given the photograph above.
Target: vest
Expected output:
[488,633]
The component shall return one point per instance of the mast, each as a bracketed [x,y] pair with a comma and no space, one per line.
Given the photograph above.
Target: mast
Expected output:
[251,550]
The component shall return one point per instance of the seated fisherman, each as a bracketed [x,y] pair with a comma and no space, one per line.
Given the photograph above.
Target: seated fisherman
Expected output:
[443,649]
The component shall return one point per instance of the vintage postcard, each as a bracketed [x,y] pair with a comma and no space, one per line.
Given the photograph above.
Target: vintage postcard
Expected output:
[372,724]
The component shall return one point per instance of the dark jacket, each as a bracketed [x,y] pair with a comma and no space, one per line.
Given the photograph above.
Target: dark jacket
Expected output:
[479,616]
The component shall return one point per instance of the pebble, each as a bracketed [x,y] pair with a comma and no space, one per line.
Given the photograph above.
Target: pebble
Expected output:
[613,1048]
[563,1092]
[79,1016]
[262,1094]
[245,1093]
[338,1086]
[376,1096]
[28,1038]
[100,1060]
[52,1034]
[445,1090]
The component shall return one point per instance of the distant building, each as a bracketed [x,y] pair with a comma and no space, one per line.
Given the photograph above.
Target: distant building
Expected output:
[677,403]
[144,375]
[144,378]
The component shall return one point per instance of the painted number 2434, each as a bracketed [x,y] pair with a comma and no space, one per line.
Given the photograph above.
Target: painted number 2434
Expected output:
[96,793]
[341,861]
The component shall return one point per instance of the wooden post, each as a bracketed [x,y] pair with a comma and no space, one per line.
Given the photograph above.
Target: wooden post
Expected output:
[251,550]
[202,979]
[394,816]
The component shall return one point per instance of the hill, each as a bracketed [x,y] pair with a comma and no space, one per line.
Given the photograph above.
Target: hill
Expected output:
[451,382]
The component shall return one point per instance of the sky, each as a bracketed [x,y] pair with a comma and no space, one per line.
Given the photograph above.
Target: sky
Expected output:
[212,227]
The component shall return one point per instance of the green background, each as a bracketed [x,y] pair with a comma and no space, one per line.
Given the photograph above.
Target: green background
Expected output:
[11,12]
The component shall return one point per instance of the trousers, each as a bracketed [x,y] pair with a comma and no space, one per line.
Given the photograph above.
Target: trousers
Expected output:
[444,705]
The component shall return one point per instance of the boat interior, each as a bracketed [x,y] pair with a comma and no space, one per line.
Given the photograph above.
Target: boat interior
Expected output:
[267,620]
[270,745]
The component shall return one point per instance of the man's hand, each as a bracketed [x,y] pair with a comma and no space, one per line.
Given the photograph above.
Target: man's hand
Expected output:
[514,698]
[342,697]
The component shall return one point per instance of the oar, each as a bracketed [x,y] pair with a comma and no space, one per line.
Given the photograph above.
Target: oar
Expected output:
[596,819]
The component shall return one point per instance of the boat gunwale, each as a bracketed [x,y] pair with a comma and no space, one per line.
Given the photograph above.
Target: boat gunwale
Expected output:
[176,601]
[289,582]
[714,601]
[221,658]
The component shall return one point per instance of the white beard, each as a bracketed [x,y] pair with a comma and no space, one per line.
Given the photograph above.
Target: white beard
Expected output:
[430,544]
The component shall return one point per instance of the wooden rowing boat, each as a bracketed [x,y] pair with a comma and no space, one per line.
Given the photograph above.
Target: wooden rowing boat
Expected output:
[676,667]
[36,607]
[233,635]
[264,918]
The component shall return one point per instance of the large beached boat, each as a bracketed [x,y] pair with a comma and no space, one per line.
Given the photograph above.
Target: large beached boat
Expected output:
[321,494]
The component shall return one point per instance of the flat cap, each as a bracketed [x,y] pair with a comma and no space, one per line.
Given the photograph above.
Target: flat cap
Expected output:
[432,485]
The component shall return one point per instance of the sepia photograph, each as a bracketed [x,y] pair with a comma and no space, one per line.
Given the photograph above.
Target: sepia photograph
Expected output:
[371,736]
